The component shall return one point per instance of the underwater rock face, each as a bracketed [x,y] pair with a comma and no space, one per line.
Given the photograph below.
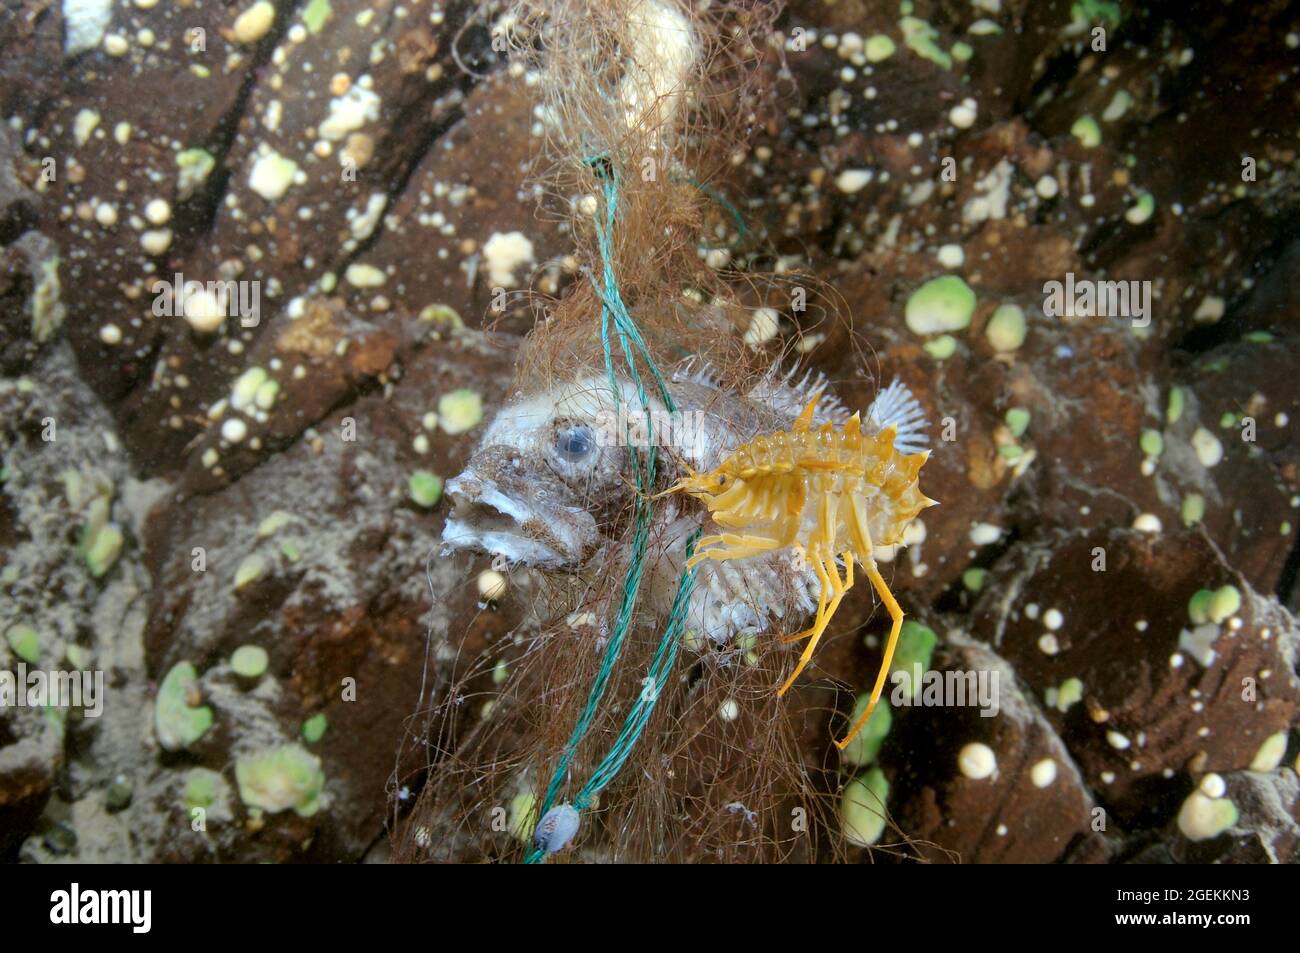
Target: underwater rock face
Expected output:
[1157,691]
[249,465]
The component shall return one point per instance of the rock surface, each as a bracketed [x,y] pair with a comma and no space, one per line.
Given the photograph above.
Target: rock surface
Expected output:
[224,475]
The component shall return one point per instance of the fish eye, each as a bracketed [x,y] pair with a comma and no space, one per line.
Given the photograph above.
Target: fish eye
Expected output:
[575,442]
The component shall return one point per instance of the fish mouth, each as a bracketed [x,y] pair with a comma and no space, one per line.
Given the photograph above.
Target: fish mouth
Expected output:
[515,525]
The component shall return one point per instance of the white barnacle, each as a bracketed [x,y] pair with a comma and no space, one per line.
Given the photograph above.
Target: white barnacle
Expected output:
[963,114]
[853,180]
[763,326]
[1043,773]
[977,761]
[350,112]
[271,175]
[491,585]
[504,253]
[233,430]
[1203,817]
[1209,450]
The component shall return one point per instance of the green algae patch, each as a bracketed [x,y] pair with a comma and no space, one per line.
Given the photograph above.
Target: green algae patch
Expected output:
[424,488]
[942,347]
[280,779]
[879,48]
[459,411]
[177,722]
[1086,130]
[922,39]
[25,642]
[1106,12]
[865,746]
[1007,328]
[1017,419]
[201,786]
[916,644]
[316,15]
[249,661]
[862,808]
[941,304]
[313,729]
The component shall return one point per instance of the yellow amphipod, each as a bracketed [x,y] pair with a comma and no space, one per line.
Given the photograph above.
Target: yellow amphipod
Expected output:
[829,493]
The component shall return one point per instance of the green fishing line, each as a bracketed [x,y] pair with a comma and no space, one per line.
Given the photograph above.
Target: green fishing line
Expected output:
[631,343]
[741,228]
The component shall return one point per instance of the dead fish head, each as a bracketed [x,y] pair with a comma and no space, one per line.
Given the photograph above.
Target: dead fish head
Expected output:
[546,476]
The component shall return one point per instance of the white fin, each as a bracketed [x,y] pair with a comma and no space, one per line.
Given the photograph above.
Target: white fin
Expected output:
[786,395]
[896,405]
[695,370]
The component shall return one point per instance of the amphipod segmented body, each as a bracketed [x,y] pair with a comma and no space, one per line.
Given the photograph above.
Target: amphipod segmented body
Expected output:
[829,494]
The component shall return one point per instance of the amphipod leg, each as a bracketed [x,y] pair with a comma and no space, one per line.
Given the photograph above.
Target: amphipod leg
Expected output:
[824,563]
[706,541]
[733,547]
[823,541]
[847,556]
[823,599]
[838,588]
[821,544]
[830,583]
[733,520]
[814,634]
[896,614]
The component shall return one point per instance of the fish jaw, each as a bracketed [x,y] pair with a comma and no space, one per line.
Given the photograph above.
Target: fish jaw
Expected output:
[505,518]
